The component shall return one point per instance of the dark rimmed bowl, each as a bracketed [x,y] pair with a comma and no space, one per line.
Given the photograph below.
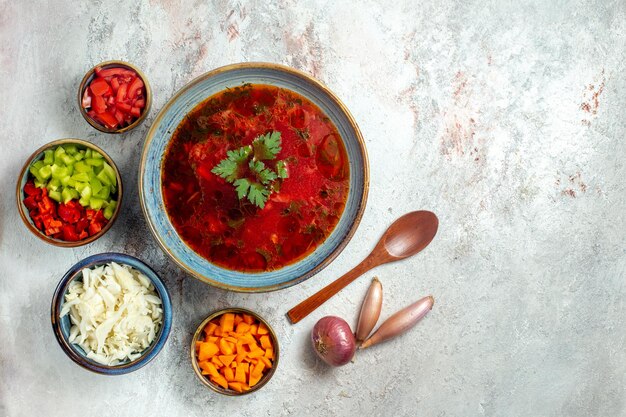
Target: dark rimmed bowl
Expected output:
[194,360]
[160,134]
[25,174]
[87,80]
[61,326]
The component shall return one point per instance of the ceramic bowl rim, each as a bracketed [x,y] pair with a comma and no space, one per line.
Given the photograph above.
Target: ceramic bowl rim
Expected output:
[361,203]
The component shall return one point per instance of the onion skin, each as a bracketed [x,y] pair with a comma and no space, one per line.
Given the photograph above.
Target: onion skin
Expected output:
[333,341]
[370,310]
[401,321]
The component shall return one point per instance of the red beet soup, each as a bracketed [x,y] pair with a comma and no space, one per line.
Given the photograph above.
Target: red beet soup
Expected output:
[255,178]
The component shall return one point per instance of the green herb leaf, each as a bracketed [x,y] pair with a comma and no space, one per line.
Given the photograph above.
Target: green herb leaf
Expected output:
[245,169]
[241,186]
[258,194]
[231,168]
[281,169]
[266,146]
[264,174]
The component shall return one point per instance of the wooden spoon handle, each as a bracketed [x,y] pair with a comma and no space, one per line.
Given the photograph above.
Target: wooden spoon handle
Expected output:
[307,306]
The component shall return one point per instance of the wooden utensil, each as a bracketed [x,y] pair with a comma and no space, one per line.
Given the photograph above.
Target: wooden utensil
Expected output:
[406,236]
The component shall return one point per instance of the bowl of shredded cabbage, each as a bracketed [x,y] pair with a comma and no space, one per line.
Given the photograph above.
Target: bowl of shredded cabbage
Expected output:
[111,313]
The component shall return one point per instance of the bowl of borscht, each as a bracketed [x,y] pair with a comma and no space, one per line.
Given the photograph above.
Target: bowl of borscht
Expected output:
[253,177]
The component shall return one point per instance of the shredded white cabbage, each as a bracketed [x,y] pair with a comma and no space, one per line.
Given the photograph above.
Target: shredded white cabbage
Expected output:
[115,313]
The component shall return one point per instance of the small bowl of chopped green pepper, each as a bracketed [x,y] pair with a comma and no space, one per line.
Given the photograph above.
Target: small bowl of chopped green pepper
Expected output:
[69,192]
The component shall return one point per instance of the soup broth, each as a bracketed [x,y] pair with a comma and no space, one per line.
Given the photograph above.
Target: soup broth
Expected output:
[300,212]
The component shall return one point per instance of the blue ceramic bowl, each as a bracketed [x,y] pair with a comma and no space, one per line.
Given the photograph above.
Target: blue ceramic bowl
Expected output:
[158,138]
[61,326]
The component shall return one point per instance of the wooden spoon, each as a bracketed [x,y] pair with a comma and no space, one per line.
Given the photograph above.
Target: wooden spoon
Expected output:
[405,237]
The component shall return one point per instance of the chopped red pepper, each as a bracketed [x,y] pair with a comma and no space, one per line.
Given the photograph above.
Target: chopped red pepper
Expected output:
[94,228]
[119,117]
[82,224]
[109,119]
[99,86]
[126,108]
[69,212]
[134,87]
[115,84]
[115,97]
[99,105]
[69,222]
[110,72]
[69,233]
[30,189]
[121,93]
[31,202]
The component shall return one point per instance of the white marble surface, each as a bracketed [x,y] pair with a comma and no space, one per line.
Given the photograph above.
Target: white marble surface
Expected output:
[508,119]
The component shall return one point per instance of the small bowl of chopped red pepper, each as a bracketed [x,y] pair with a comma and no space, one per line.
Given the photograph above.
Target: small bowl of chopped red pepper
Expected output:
[69,192]
[114,97]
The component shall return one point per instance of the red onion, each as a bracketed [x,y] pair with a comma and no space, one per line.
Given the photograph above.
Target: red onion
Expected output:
[333,340]
[401,321]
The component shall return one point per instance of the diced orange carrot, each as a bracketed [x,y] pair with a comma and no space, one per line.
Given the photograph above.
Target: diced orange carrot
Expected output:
[217,332]
[254,361]
[262,329]
[227,359]
[243,328]
[220,380]
[229,374]
[240,373]
[227,322]
[238,319]
[266,361]
[266,343]
[216,361]
[225,347]
[233,364]
[207,350]
[236,386]
[210,328]
[258,369]
[203,366]
[241,356]
[269,353]
[256,353]
[253,329]
[248,319]
[230,339]
[254,379]
[240,347]
[212,339]
[208,367]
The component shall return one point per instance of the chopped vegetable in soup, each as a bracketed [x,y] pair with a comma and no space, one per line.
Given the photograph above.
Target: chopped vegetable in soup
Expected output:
[255,178]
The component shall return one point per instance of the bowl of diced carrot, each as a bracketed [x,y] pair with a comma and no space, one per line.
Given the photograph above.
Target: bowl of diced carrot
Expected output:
[114,97]
[234,351]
